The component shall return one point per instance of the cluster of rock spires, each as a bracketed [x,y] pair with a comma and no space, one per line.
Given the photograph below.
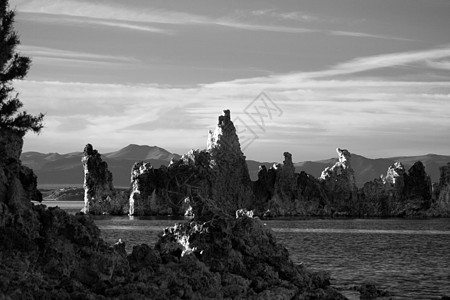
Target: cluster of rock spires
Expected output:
[220,172]
[49,254]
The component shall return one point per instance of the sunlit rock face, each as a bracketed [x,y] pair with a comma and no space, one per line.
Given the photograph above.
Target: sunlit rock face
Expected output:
[224,136]
[98,185]
[340,185]
[18,184]
[139,177]
[148,195]
[394,174]
[399,193]
[341,168]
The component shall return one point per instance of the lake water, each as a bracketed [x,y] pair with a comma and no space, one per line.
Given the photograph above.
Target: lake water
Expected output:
[409,258]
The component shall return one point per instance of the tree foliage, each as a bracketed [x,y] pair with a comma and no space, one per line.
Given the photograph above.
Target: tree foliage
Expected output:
[13,66]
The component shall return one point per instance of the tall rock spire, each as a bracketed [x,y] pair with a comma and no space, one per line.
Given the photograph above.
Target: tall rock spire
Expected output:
[98,186]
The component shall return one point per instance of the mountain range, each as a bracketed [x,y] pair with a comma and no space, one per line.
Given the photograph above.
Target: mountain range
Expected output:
[66,169]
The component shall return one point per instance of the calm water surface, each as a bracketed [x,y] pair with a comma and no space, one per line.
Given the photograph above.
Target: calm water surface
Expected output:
[409,258]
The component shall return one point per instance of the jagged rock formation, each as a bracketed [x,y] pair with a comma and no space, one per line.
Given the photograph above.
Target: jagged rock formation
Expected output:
[18,184]
[395,174]
[219,172]
[98,185]
[147,186]
[399,193]
[164,190]
[441,193]
[280,191]
[340,185]
[231,184]
[243,260]
[49,254]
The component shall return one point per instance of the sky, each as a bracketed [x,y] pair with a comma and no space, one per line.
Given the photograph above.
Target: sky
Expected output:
[303,76]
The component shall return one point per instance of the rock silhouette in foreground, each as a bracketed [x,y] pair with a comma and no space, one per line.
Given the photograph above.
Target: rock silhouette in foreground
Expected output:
[49,254]
[18,184]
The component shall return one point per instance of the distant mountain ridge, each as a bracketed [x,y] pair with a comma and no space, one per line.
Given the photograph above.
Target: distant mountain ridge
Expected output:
[142,152]
[55,168]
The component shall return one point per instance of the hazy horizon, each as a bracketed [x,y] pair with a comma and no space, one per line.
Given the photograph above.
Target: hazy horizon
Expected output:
[105,151]
[371,77]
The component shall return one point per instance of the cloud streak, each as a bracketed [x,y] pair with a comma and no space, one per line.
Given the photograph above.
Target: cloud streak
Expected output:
[363,64]
[291,15]
[330,112]
[114,15]
[36,51]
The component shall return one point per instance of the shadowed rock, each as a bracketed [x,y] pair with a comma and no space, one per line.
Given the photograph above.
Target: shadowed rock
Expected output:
[441,193]
[340,185]
[18,184]
[220,172]
[399,193]
[280,191]
[48,254]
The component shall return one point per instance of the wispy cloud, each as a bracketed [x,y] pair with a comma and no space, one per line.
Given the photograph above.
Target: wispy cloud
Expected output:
[367,35]
[83,21]
[329,112]
[389,60]
[120,16]
[361,64]
[107,11]
[290,15]
[229,22]
[131,26]
[444,65]
[36,51]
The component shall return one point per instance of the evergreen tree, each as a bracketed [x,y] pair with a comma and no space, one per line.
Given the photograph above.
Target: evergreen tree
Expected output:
[13,66]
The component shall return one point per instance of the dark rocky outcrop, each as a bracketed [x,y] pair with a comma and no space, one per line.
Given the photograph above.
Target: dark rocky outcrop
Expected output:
[340,185]
[49,254]
[231,184]
[280,191]
[218,172]
[399,193]
[441,193]
[18,184]
[149,191]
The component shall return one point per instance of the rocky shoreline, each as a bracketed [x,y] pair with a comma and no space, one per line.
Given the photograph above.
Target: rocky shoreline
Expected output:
[220,172]
[46,253]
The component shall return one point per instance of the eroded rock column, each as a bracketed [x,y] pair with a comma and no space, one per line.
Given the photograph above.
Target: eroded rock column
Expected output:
[98,185]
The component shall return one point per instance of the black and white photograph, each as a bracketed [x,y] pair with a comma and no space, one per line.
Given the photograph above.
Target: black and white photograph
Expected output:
[207,149]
